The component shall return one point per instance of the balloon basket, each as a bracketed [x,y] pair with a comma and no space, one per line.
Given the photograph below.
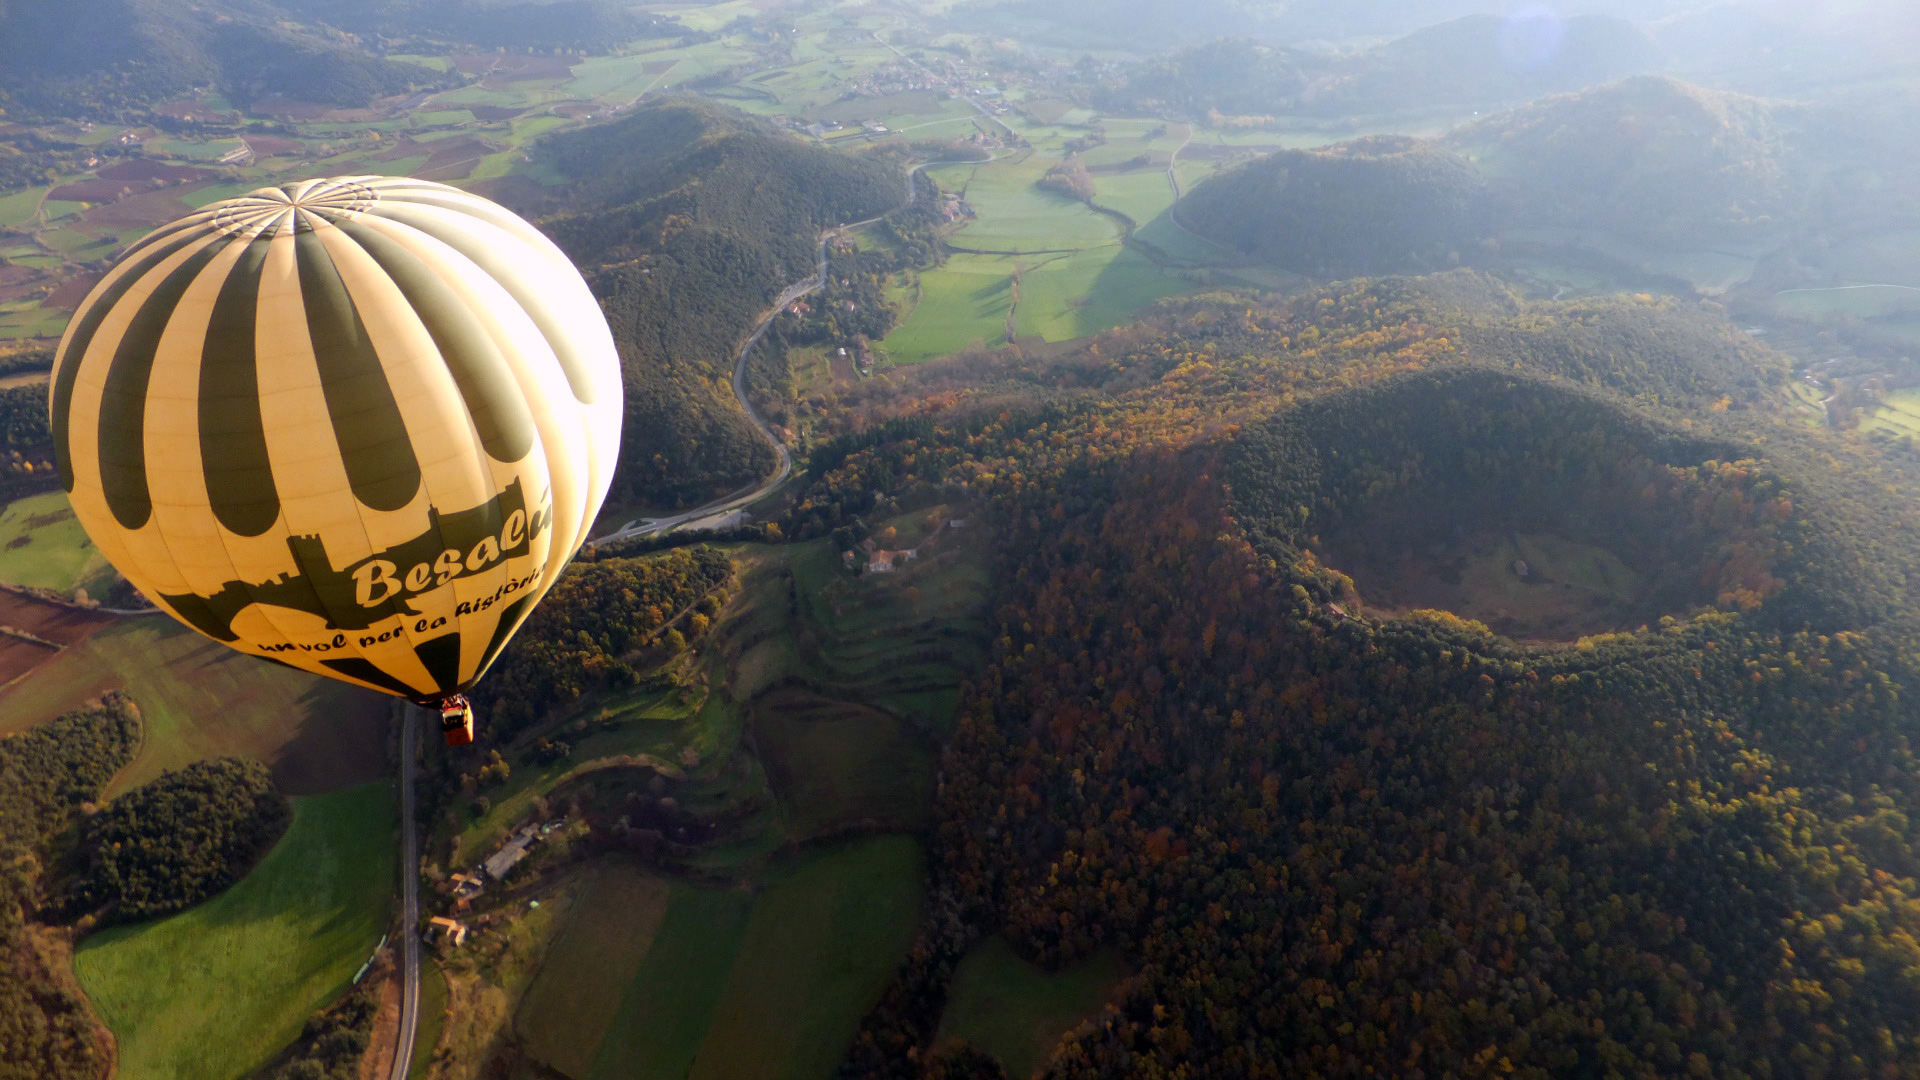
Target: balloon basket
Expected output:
[456,721]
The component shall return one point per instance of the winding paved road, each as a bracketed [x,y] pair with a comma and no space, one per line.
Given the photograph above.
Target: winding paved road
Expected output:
[754,493]
[409,897]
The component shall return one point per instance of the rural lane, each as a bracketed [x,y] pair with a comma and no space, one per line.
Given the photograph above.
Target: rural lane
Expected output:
[409,897]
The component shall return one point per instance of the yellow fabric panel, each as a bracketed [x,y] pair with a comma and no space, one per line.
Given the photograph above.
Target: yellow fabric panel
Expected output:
[408,576]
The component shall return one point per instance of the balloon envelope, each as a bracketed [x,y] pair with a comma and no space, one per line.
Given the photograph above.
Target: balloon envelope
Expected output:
[355,425]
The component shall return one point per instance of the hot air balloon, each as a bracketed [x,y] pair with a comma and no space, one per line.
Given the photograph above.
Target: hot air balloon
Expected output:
[356,425]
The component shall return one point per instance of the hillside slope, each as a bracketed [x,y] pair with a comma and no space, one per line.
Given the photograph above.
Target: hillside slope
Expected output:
[134,53]
[1652,158]
[689,219]
[1382,203]
[1649,159]
[93,57]
[1485,60]
[1652,817]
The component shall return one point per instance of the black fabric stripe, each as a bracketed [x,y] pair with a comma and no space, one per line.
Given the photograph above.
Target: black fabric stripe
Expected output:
[510,620]
[441,658]
[528,294]
[233,438]
[68,367]
[381,466]
[359,667]
[481,371]
[123,400]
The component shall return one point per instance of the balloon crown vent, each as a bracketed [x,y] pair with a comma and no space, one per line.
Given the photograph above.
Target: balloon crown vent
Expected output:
[301,207]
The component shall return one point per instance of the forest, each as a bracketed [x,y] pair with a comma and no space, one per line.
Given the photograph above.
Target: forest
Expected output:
[1652,158]
[169,844]
[1335,842]
[1379,204]
[333,1041]
[139,54]
[23,417]
[46,776]
[1473,60]
[583,634]
[136,55]
[689,219]
[1649,159]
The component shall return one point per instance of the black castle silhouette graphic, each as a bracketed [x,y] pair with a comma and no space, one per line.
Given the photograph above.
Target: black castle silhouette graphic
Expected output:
[456,545]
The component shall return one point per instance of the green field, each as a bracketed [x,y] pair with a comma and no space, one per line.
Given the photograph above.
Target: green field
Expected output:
[1862,301]
[1016,1011]
[836,765]
[56,553]
[599,76]
[433,1019]
[819,950]
[575,999]
[1141,195]
[665,1012]
[635,721]
[19,207]
[960,303]
[1017,216]
[1899,415]
[656,980]
[28,321]
[214,992]
[1090,292]
[198,699]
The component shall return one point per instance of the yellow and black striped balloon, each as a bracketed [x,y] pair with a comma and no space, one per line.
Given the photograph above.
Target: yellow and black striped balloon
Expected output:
[356,425]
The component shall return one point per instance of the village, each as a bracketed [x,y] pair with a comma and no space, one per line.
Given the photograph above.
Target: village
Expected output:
[466,887]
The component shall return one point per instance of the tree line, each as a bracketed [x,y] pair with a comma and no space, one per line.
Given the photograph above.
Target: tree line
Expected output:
[584,631]
[47,775]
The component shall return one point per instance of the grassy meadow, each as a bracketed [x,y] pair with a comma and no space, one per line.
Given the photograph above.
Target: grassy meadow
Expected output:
[43,547]
[198,699]
[214,992]
[955,306]
[576,998]
[653,979]
[1018,1011]
[815,956]
[650,976]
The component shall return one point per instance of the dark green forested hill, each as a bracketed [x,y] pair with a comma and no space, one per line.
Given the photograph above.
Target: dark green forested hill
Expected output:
[89,57]
[1475,60]
[689,219]
[1338,837]
[94,56]
[46,775]
[1484,60]
[1651,160]
[1655,159]
[583,25]
[1383,203]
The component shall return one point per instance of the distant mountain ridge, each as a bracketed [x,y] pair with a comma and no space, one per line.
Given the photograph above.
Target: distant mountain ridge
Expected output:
[689,218]
[1475,60]
[81,57]
[1652,157]
[1649,159]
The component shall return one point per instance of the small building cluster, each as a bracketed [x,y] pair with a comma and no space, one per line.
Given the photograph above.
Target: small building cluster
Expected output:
[954,208]
[516,848]
[453,930]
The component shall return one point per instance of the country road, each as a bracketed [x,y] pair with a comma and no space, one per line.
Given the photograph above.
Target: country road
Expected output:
[409,897]
[1173,179]
[755,492]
